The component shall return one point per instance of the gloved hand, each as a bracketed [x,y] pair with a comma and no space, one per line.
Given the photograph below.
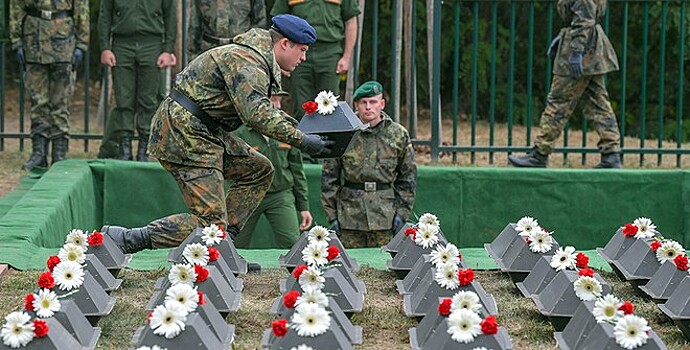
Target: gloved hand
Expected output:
[335,226]
[398,223]
[316,145]
[575,61]
[21,57]
[553,48]
[77,57]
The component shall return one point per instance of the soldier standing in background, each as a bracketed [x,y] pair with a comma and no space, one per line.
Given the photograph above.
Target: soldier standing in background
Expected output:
[137,38]
[369,193]
[51,39]
[584,54]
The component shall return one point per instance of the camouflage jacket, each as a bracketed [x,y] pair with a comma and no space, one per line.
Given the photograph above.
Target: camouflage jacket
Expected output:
[584,35]
[49,40]
[231,84]
[382,154]
[222,19]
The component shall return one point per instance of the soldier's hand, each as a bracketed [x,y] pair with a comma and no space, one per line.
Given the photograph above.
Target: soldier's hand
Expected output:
[335,226]
[398,223]
[164,60]
[77,57]
[316,145]
[575,61]
[553,48]
[306,220]
[343,65]
[108,58]
[21,57]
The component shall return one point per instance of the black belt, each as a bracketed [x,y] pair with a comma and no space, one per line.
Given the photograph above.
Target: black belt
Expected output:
[217,40]
[368,186]
[48,15]
[193,108]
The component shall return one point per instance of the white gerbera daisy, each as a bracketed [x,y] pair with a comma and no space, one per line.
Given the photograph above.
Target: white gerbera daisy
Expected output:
[17,330]
[631,331]
[72,252]
[302,347]
[319,233]
[481,348]
[606,309]
[168,319]
[314,296]
[430,219]
[184,294]
[315,253]
[540,241]
[526,225]
[464,325]
[427,235]
[196,254]
[564,258]
[587,288]
[466,299]
[155,347]
[182,273]
[668,251]
[77,237]
[46,303]
[68,275]
[310,320]
[645,228]
[443,255]
[327,102]
[312,278]
[447,276]
[212,235]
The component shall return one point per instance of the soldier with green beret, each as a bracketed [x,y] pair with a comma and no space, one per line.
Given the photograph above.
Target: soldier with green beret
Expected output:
[368,194]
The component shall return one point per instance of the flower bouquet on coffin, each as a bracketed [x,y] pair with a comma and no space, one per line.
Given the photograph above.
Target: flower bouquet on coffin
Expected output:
[207,253]
[548,266]
[512,232]
[393,247]
[103,248]
[316,234]
[625,236]
[677,307]
[441,255]
[524,253]
[665,281]
[644,258]
[21,330]
[423,238]
[90,261]
[214,236]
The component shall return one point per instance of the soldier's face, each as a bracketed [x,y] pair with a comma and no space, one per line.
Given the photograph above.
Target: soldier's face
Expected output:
[276,101]
[369,109]
[289,54]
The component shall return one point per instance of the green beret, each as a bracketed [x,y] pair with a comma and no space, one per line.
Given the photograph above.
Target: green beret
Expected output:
[368,89]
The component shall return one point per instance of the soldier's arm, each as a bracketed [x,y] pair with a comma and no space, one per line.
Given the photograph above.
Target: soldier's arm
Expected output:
[170,25]
[582,24]
[81,24]
[330,185]
[299,188]
[349,12]
[406,180]
[105,20]
[195,29]
[17,15]
[280,7]
[258,14]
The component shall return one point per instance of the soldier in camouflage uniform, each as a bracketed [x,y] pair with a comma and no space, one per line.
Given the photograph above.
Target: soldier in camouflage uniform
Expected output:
[191,133]
[50,38]
[369,193]
[584,54]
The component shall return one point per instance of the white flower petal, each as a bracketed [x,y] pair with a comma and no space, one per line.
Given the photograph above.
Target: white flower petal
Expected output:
[327,102]
[427,235]
[645,228]
[72,252]
[68,275]
[447,276]
[169,319]
[430,219]
[310,320]
[185,294]
[17,330]
[540,241]
[565,258]
[314,296]
[606,309]
[182,273]
[443,255]
[77,237]
[466,299]
[212,235]
[312,278]
[668,251]
[46,303]
[196,254]
[319,233]
[631,331]
[587,288]
[464,325]
[526,225]
[315,253]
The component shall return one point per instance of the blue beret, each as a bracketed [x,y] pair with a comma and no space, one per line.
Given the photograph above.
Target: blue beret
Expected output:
[294,28]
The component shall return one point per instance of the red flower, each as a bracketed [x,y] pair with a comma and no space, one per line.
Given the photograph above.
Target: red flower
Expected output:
[222,232]
[586,272]
[298,270]
[95,239]
[333,252]
[279,327]
[29,302]
[201,273]
[411,231]
[213,254]
[681,262]
[655,245]
[53,260]
[444,307]
[460,256]
[40,328]
[527,240]
[581,261]
[628,308]
[465,276]
[630,230]
[310,107]
[201,301]
[46,281]
[290,299]
[148,317]
[489,325]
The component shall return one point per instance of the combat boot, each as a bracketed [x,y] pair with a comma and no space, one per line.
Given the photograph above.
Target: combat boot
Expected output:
[39,153]
[610,161]
[125,149]
[59,149]
[141,149]
[533,159]
[128,240]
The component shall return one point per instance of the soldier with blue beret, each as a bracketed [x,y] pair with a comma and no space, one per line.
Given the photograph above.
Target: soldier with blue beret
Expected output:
[294,28]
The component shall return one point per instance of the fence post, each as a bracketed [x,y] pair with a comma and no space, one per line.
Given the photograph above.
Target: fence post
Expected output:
[436,82]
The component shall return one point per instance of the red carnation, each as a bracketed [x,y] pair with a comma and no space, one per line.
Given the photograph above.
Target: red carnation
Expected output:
[40,328]
[489,325]
[279,327]
[298,270]
[333,252]
[527,240]
[630,230]
[465,276]
[586,272]
[53,260]
[681,262]
[213,254]
[95,239]
[412,232]
[46,281]
[310,107]
[148,317]
[201,301]
[460,256]
[290,299]
[581,261]
[655,245]
[628,308]
[222,232]
[201,273]
[444,307]
[29,302]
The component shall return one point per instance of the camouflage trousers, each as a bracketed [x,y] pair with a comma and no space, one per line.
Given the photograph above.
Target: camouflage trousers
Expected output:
[203,193]
[561,102]
[365,239]
[50,88]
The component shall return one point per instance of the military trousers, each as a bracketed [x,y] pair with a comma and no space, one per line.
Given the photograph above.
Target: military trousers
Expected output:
[564,96]
[365,239]
[50,88]
[207,202]
[281,213]
[316,74]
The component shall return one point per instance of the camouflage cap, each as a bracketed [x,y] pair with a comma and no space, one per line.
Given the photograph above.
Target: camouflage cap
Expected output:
[294,28]
[368,89]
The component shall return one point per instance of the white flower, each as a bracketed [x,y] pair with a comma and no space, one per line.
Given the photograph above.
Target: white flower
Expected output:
[587,288]
[212,235]
[540,241]
[77,237]
[301,347]
[184,294]
[564,258]
[314,296]
[310,320]
[465,299]
[68,275]
[315,253]
[430,219]
[182,273]
[319,233]
[447,276]
[196,254]
[443,255]
[631,331]
[668,251]
[155,347]
[327,102]
[481,348]
[312,278]
[645,228]
[606,309]
[168,319]
[464,325]
[17,331]
[427,235]
[526,225]
[72,252]
[46,303]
